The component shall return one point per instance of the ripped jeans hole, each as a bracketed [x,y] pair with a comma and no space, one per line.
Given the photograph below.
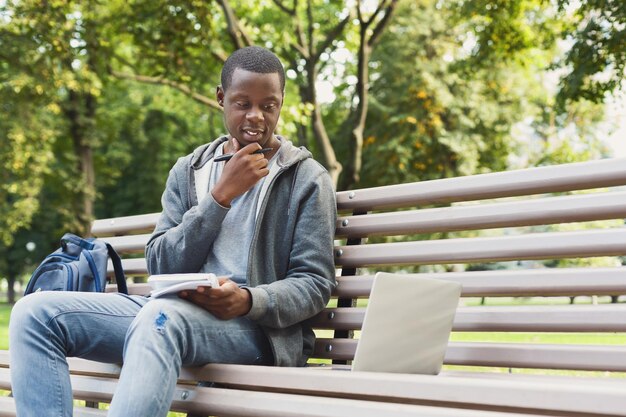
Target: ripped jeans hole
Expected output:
[159,323]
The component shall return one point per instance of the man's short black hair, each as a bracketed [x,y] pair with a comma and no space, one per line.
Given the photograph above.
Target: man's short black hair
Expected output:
[254,59]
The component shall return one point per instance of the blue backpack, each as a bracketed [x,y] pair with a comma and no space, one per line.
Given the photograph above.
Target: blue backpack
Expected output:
[78,265]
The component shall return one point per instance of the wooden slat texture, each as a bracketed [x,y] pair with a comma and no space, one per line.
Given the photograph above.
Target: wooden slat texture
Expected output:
[571,396]
[506,355]
[7,407]
[136,266]
[506,283]
[124,225]
[540,356]
[589,243]
[550,179]
[509,283]
[133,289]
[553,318]
[5,377]
[128,244]
[542,211]
[231,402]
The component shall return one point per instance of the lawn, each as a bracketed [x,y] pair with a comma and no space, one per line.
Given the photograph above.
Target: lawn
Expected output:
[5,312]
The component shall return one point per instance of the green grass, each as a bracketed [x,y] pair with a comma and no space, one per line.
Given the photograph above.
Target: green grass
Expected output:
[5,313]
[556,338]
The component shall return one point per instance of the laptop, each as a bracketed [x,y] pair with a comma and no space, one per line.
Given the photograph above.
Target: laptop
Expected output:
[407,324]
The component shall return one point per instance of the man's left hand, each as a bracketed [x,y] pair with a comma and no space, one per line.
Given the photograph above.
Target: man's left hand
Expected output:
[225,302]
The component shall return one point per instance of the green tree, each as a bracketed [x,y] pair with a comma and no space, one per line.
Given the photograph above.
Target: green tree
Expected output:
[145,129]
[51,43]
[596,61]
[435,113]
[116,91]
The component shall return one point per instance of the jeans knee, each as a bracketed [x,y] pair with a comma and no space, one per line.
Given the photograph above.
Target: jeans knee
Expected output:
[27,309]
[158,316]
[29,318]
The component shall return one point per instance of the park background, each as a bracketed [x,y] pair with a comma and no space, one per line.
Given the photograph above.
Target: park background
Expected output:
[99,98]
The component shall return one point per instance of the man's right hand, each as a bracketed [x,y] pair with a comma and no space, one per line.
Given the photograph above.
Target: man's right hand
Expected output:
[240,173]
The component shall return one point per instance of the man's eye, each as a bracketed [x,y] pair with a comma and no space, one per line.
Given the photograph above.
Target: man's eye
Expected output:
[241,104]
[269,106]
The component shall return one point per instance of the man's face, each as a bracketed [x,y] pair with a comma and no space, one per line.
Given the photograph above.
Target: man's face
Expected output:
[252,106]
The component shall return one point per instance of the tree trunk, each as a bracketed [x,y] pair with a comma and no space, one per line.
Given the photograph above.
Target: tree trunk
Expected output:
[11,289]
[301,134]
[81,111]
[367,40]
[319,130]
[353,170]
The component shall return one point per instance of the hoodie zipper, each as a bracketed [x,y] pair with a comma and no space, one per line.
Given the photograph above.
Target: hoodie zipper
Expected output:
[257,226]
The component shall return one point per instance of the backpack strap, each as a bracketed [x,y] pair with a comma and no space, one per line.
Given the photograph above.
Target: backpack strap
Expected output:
[120,279]
[78,241]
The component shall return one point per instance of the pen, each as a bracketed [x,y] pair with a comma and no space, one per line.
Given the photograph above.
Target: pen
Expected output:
[227,156]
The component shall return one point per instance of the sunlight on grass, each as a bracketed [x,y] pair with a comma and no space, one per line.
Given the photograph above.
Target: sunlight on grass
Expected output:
[5,313]
[569,338]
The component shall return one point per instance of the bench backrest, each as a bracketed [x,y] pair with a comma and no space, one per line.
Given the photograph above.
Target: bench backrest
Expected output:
[445,228]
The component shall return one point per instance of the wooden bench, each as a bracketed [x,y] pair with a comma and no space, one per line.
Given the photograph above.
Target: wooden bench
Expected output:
[448,226]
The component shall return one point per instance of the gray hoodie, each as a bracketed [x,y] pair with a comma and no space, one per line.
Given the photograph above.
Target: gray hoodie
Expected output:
[291,270]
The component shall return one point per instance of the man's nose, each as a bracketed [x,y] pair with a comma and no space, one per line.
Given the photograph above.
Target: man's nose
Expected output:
[255,114]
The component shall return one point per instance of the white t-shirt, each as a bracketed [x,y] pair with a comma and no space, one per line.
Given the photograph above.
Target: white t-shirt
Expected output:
[229,254]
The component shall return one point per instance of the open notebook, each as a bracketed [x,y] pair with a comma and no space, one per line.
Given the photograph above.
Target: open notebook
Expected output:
[407,324]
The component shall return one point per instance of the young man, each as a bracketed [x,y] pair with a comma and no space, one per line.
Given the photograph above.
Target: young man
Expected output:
[265,219]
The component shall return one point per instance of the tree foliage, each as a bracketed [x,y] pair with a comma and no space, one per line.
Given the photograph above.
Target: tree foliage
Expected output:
[100,98]
[596,60]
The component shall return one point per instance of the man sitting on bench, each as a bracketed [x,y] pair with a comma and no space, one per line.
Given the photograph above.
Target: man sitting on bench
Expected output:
[265,217]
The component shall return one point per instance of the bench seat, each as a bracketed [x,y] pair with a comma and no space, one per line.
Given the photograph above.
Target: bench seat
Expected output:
[508,393]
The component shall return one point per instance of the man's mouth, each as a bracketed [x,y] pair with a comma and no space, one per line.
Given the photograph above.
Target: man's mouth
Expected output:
[253,132]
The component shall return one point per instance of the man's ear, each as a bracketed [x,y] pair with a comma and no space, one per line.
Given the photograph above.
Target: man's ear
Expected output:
[219,94]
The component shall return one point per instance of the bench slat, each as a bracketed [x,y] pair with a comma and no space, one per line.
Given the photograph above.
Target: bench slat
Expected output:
[133,289]
[507,283]
[576,396]
[506,355]
[568,318]
[220,401]
[602,395]
[549,179]
[567,209]
[7,407]
[128,244]
[534,282]
[136,266]
[262,404]
[124,225]
[557,245]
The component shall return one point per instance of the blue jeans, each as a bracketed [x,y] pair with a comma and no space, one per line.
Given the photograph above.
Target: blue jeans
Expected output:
[153,338]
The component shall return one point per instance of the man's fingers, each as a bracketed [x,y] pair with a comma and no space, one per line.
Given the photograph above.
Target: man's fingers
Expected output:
[251,148]
[223,308]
